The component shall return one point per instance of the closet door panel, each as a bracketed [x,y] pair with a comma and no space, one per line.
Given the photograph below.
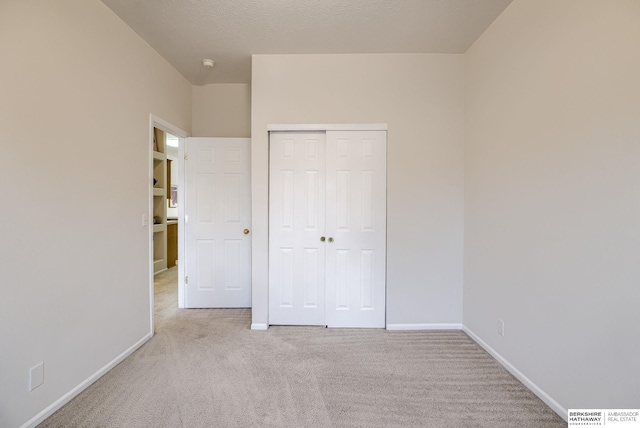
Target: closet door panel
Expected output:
[296,223]
[356,222]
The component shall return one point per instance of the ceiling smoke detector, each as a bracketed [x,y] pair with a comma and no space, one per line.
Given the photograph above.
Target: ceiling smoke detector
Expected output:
[208,63]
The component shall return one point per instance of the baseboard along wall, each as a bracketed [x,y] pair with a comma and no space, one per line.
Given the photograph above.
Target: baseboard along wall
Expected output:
[256,326]
[408,327]
[40,417]
[539,392]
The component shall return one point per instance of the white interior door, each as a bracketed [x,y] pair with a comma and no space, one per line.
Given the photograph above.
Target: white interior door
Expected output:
[356,228]
[217,218]
[296,226]
[327,228]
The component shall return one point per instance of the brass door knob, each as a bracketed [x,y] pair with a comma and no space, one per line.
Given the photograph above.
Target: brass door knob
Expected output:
[322,239]
[246,231]
[330,239]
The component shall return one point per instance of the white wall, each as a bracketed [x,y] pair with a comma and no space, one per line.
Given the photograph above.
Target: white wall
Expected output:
[222,110]
[77,89]
[420,97]
[552,196]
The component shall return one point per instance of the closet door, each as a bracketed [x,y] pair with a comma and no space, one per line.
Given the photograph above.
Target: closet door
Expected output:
[327,228]
[356,228]
[296,225]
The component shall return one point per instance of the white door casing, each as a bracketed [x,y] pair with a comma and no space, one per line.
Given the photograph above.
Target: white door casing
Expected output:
[217,212]
[327,228]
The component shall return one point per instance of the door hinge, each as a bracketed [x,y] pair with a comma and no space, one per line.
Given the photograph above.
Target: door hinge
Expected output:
[186,279]
[186,156]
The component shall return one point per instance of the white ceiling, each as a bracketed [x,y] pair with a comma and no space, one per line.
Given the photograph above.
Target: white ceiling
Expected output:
[230,31]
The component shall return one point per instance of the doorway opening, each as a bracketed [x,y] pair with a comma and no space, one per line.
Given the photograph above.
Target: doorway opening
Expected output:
[166,218]
[172,143]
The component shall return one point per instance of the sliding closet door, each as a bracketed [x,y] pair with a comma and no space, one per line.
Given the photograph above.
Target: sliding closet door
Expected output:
[296,225]
[327,228]
[356,227]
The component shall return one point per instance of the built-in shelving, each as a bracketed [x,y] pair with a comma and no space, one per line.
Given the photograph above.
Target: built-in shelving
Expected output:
[159,201]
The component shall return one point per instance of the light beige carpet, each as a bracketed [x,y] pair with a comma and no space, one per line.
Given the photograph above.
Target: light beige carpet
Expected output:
[206,368]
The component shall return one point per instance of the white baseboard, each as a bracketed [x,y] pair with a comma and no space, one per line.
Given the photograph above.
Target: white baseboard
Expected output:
[256,326]
[546,398]
[82,386]
[424,326]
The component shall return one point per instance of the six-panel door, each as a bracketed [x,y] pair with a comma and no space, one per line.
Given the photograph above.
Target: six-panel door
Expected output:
[217,210]
[296,227]
[356,223]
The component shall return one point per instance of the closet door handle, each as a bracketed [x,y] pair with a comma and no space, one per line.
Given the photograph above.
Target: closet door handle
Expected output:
[322,239]
[330,240]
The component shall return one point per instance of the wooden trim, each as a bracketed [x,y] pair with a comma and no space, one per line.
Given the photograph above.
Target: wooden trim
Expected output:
[328,127]
[437,326]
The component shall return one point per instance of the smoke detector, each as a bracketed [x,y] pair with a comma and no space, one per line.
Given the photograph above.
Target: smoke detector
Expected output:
[208,63]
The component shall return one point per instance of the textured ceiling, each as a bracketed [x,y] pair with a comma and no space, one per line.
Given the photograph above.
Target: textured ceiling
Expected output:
[230,31]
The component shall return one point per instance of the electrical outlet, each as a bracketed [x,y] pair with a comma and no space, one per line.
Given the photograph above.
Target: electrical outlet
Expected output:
[36,376]
[500,327]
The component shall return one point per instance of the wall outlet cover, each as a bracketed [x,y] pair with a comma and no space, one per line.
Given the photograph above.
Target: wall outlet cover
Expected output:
[36,376]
